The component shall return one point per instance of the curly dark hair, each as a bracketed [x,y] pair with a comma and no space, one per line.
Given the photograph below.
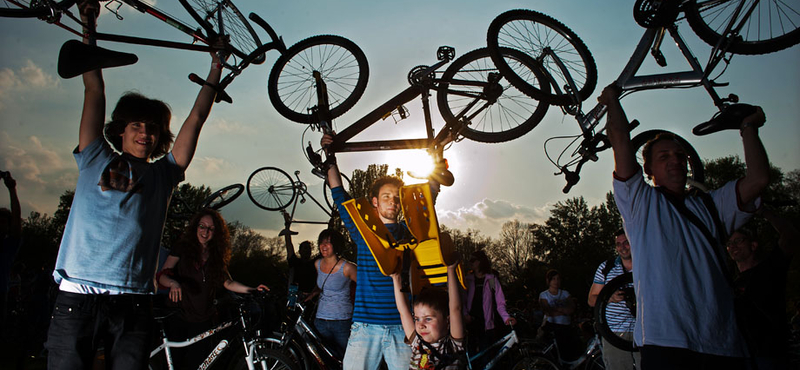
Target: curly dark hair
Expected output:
[379,183]
[135,107]
[219,247]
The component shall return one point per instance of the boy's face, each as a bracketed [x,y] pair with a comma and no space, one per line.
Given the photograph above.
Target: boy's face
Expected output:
[139,139]
[388,203]
[430,324]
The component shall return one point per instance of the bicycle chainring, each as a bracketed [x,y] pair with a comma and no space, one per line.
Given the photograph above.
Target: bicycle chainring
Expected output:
[415,76]
[655,13]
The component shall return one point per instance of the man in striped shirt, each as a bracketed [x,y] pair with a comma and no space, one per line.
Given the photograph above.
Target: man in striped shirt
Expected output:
[618,316]
[377,332]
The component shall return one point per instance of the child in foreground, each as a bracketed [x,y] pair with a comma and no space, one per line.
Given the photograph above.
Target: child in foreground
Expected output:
[435,330]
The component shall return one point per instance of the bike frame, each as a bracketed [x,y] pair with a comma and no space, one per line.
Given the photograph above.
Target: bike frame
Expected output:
[167,344]
[302,192]
[508,341]
[311,342]
[592,347]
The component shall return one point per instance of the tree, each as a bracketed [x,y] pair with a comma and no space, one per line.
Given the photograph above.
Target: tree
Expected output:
[186,200]
[514,249]
[256,259]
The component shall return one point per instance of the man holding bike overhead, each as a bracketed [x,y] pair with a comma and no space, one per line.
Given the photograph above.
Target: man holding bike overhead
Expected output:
[109,252]
[685,316]
[377,330]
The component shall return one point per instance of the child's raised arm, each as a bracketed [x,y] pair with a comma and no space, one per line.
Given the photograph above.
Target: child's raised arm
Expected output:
[456,320]
[401,300]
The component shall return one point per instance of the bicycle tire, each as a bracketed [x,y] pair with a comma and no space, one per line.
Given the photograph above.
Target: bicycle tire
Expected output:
[696,174]
[33,12]
[223,197]
[291,85]
[243,39]
[326,191]
[532,32]
[271,188]
[601,323]
[535,362]
[494,119]
[264,359]
[763,31]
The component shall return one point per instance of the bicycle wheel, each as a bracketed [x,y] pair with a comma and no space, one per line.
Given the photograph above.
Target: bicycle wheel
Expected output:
[223,197]
[537,35]
[31,8]
[221,16]
[494,112]
[264,359]
[771,26]
[535,362]
[624,282]
[343,66]
[270,188]
[695,176]
[326,190]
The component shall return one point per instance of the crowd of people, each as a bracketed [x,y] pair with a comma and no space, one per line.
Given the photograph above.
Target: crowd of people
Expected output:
[694,311]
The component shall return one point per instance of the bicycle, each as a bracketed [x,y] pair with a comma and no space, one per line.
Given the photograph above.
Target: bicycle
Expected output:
[216,18]
[254,352]
[549,358]
[494,355]
[622,282]
[572,73]
[472,97]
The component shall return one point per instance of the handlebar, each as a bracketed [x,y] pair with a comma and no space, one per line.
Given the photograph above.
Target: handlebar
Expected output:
[588,150]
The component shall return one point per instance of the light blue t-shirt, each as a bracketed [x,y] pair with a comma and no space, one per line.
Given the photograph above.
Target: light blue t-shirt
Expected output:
[683,299]
[112,237]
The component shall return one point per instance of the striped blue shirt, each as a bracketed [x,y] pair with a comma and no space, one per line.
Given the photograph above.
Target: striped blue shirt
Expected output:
[618,316]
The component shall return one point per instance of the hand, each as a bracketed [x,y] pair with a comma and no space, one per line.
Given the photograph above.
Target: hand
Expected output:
[756,119]
[511,321]
[89,10]
[262,288]
[617,297]
[9,181]
[175,293]
[610,94]
[221,46]
[326,141]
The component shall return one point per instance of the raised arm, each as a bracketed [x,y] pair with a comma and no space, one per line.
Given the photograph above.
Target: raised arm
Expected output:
[15,228]
[756,178]
[625,165]
[454,296]
[334,177]
[94,98]
[186,142]
[401,300]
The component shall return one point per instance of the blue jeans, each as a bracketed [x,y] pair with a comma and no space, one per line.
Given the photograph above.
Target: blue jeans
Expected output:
[81,321]
[370,342]
[334,334]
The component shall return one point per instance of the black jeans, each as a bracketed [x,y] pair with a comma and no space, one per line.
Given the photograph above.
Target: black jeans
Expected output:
[668,358]
[80,322]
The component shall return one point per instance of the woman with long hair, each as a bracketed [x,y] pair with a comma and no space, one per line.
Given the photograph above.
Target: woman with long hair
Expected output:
[485,300]
[196,268]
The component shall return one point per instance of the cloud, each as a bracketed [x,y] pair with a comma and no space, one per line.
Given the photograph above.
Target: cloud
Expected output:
[27,78]
[489,215]
[208,168]
[232,127]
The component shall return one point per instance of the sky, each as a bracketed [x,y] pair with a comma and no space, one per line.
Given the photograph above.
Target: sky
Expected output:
[495,183]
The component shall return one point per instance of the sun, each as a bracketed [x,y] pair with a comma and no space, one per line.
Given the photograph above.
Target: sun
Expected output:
[416,164]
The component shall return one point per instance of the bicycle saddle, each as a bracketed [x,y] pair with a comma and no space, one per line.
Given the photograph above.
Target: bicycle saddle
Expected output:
[729,118]
[75,58]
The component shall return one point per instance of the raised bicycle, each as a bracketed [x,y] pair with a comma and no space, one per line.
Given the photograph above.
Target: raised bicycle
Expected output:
[729,25]
[217,18]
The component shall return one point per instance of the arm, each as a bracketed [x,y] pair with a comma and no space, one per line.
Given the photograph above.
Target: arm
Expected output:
[454,296]
[756,178]
[788,235]
[401,301]
[287,236]
[94,97]
[350,270]
[15,228]
[619,135]
[237,287]
[500,299]
[594,291]
[186,142]
[175,293]
[334,177]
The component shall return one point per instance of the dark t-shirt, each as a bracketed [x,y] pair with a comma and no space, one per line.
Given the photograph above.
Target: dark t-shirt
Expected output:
[197,302]
[761,293]
[305,274]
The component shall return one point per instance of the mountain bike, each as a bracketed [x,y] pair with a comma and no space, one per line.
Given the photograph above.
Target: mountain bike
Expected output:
[728,25]
[495,355]
[549,357]
[215,18]
[242,333]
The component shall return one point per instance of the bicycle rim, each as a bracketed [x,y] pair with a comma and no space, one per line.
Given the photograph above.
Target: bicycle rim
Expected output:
[695,176]
[291,85]
[491,119]
[270,188]
[223,197]
[772,25]
[601,312]
[535,34]
[243,39]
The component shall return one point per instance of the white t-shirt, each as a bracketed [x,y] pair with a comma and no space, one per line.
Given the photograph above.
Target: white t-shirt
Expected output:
[557,300]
